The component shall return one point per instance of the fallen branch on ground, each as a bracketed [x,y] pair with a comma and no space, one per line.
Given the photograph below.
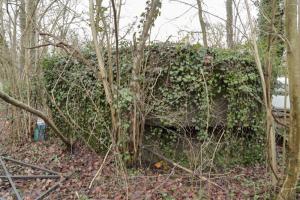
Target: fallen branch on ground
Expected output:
[184,168]
[101,167]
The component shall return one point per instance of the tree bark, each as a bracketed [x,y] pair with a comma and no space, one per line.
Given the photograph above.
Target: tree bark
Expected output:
[229,24]
[103,75]
[271,151]
[202,24]
[298,14]
[31,33]
[23,35]
[293,62]
[30,59]
[137,113]
[270,53]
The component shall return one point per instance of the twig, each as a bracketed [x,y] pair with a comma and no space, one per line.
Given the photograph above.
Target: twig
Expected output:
[30,165]
[54,187]
[10,179]
[31,177]
[262,191]
[183,168]
[101,167]
[69,49]
[278,122]
[160,185]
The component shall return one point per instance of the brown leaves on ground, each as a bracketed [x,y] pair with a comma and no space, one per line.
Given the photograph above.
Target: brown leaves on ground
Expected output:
[156,182]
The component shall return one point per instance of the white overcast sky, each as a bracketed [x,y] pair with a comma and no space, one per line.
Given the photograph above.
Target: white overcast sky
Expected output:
[176,16]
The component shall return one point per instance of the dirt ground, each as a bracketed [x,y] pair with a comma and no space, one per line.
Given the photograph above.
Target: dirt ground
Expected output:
[79,169]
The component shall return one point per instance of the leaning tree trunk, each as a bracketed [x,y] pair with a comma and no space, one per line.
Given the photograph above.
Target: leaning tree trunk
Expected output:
[269,118]
[5,97]
[293,61]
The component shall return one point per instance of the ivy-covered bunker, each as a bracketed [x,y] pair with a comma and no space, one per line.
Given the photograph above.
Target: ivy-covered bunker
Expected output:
[185,85]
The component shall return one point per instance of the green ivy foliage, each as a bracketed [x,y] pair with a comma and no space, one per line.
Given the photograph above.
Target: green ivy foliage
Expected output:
[186,81]
[76,99]
[181,81]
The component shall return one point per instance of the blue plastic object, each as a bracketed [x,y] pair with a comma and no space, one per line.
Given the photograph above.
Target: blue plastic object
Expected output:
[40,131]
[36,134]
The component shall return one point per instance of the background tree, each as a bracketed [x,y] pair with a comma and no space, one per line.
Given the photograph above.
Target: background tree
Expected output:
[229,23]
[131,139]
[269,62]
[20,68]
[270,21]
[293,63]
[271,43]
[202,23]
[265,81]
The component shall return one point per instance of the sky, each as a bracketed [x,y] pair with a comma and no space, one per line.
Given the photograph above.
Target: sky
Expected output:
[176,18]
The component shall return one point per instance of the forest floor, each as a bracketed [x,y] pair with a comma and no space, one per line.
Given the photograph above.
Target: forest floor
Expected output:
[146,183]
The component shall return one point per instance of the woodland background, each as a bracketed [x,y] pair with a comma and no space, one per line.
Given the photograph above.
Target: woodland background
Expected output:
[197,106]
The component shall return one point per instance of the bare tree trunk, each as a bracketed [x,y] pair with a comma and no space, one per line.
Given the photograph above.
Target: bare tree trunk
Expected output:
[23,34]
[8,63]
[202,23]
[2,34]
[268,77]
[137,114]
[298,15]
[293,62]
[103,73]
[229,24]
[2,39]
[14,41]
[116,17]
[30,58]
[271,151]
[31,30]
[106,76]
